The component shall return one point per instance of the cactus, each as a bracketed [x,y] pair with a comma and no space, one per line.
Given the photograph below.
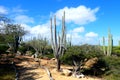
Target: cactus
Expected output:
[119,43]
[58,42]
[104,48]
[69,43]
[110,43]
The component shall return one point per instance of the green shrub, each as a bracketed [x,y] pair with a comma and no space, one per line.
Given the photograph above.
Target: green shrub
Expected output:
[3,48]
[98,69]
[116,51]
[24,47]
[114,68]
[72,53]
[50,55]
[80,53]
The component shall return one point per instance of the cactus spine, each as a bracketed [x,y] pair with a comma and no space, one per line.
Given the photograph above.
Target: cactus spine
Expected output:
[110,43]
[58,42]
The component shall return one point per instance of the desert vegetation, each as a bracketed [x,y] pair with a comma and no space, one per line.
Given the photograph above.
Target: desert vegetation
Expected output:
[101,61]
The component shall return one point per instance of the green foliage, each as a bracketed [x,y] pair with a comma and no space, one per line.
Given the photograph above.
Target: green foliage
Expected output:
[48,50]
[98,69]
[10,33]
[116,50]
[86,52]
[38,43]
[24,47]
[80,53]
[3,48]
[50,55]
[114,68]
[2,39]
[73,52]
[91,51]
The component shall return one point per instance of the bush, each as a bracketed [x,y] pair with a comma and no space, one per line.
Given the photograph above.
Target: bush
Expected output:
[114,68]
[86,52]
[72,53]
[24,47]
[116,51]
[80,53]
[50,55]
[98,69]
[3,48]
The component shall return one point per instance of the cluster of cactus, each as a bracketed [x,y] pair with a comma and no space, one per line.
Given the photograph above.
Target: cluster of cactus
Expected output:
[108,51]
[58,42]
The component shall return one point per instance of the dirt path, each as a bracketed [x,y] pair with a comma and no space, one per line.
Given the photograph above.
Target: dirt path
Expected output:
[30,70]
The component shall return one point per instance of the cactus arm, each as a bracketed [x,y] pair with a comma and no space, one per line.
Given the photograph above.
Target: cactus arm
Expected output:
[52,42]
[55,35]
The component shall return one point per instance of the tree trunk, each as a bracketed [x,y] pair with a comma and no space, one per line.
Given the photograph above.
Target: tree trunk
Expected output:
[58,64]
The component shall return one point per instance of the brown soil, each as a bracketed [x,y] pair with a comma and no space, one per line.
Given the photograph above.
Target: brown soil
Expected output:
[30,70]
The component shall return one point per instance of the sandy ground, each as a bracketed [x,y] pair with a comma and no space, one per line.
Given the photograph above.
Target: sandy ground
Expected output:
[30,70]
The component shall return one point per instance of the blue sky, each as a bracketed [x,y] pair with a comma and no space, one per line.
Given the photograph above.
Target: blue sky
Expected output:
[86,20]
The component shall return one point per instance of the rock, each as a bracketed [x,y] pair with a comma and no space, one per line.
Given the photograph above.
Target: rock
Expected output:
[29,53]
[67,72]
[33,56]
[18,53]
[53,59]
[36,59]
[36,54]
[90,63]
[80,76]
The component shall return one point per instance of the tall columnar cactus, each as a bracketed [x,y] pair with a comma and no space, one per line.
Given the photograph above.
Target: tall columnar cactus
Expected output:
[119,43]
[58,42]
[104,48]
[110,43]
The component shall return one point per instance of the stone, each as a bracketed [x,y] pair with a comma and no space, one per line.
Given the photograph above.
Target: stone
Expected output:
[90,63]
[80,76]
[19,53]
[67,72]
[33,56]
[36,59]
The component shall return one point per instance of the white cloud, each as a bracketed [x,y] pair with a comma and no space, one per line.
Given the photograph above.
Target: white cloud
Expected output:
[77,38]
[78,30]
[91,34]
[23,19]
[18,10]
[78,15]
[3,10]
[42,29]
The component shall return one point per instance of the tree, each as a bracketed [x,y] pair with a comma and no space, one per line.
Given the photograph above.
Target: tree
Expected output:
[38,44]
[58,42]
[11,33]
